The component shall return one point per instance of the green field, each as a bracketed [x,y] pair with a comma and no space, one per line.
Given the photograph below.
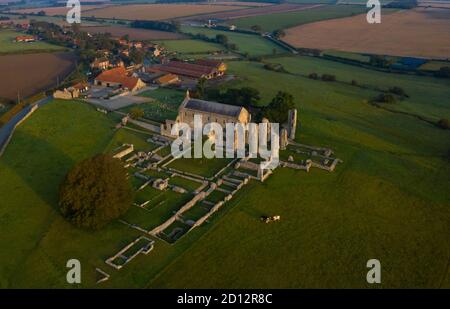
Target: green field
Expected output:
[347,55]
[388,200]
[203,166]
[190,46]
[428,97]
[271,22]
[164,105]
[312,1]
[434,65]
[254,45]
[7,44]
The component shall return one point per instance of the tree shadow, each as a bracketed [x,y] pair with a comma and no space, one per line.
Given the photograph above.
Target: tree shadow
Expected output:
[40,165]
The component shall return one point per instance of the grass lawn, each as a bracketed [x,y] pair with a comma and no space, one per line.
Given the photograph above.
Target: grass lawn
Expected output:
[164,105]
[161,207]
[184,183]
[271,22]
[124,136]
[203,166]
[190,46]
[252,44]
[7,44]
[37,241]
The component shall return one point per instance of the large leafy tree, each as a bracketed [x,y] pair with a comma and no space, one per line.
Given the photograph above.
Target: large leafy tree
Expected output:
[95,192]
[278,108]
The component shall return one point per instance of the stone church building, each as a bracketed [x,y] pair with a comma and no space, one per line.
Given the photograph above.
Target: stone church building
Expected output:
[211,112]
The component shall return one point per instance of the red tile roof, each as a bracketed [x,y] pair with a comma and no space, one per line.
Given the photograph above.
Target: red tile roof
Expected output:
[167,79]
[187,69]
[118,75]
[209,63]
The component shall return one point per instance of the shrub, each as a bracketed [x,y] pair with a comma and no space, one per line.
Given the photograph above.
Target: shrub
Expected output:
[278,108]
[444,72]
[95,192]
[398,91]
[313,76]
[444,124]
[328,78]
[385,98]
[137,112]
[354,83]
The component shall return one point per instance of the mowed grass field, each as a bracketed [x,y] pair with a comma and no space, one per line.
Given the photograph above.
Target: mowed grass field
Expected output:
[252,44]
[415,33]
[271,22]
[8,46]
[37,242]
[388,200]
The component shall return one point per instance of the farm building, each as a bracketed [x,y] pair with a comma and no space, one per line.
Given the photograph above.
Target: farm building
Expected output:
[100,64]
[190,70]
[118,77]
[167,79]
[218,65]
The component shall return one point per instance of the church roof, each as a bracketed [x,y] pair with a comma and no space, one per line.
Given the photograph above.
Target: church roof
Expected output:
[213,107]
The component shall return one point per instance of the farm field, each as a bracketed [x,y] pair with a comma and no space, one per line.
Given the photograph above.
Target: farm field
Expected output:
[312,1]
[156,11]
[434,65]
[428,96]
[8,46]
[255,11]
[57,11]
[190,46]
[242,3]
[252,44]
[418,33]
[434,4]
[31,73]
[347,55]
[271,21]
[134,33]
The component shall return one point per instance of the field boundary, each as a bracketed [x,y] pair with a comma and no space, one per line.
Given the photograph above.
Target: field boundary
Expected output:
[7,131]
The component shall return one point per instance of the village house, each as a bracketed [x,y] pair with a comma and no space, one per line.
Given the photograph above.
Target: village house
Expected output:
[220,66]
[119,78]
[100,64]
[26,38]
[167,79]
